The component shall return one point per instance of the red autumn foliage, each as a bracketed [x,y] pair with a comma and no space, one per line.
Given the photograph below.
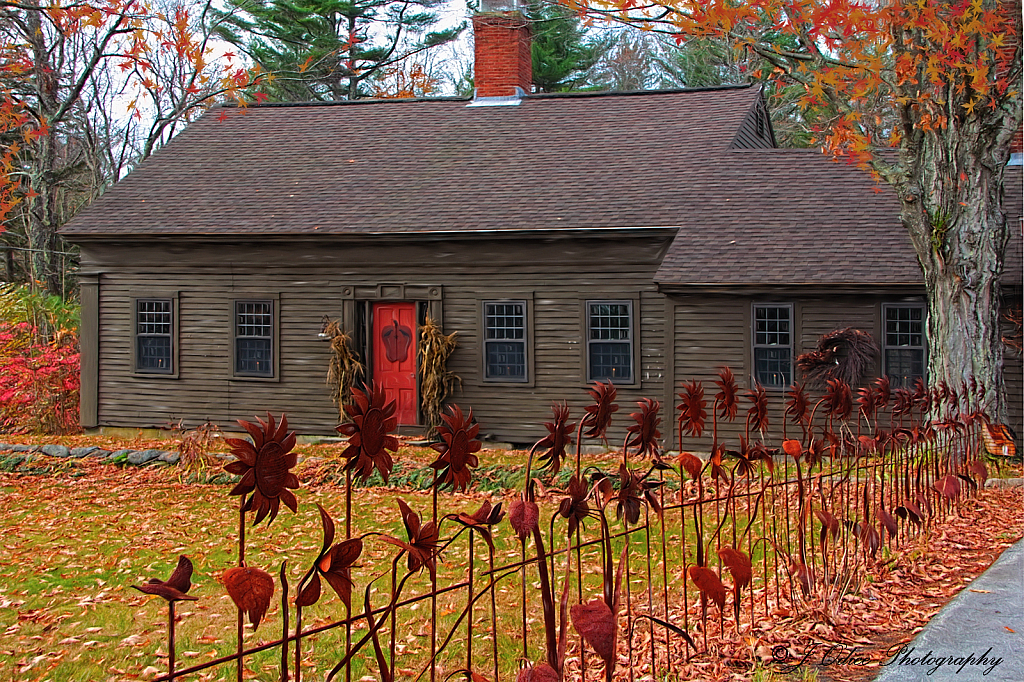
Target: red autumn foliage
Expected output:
[39,382]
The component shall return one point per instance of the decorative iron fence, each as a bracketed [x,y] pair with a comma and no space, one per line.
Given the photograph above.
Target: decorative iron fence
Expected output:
[623,573]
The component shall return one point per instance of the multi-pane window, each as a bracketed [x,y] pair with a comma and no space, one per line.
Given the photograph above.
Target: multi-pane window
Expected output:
[773,345]
[904,343]
[610,341]
[254,338]
[505,340]
[154,327]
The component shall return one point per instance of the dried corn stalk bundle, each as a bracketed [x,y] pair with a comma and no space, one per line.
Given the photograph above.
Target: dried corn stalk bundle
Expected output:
[437,381]
[344,367]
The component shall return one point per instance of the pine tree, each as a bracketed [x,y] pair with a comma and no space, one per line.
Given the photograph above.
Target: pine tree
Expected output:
[563,52]
[322,50]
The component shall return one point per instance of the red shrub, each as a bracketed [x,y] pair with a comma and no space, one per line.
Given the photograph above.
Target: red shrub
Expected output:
[39,382]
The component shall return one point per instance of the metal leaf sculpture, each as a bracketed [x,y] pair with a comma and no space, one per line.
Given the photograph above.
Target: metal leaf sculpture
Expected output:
[977,467]
[949,486]
[909,510]
[523,516]
[558,439]
[369,441]
[265,467]
[793,448]
[644,434]
[829,526]
[709,584]
[741,570]
[251,589]
[333,563]
[174,588]
[596,624]
[727,398]
[539,672]
[693,409]
[803,574]
[599,414]
[841,354]
[869,537]
[457,449]
[691,464]
[887,521]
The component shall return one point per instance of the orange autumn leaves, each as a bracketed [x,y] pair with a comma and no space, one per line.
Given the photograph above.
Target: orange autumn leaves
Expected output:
[863,61]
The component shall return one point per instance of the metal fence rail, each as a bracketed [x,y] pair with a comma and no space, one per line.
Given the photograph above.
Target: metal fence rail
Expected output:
[624,574]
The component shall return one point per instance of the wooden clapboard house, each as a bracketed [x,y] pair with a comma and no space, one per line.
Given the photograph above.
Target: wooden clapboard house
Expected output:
[644,238]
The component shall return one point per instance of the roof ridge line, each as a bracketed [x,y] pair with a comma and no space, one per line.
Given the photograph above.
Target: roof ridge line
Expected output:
[529,96]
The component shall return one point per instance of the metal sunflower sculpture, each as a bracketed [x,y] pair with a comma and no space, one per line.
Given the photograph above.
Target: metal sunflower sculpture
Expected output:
[457,449]
[558,439]
[369,441]
[264,465]
[599,414]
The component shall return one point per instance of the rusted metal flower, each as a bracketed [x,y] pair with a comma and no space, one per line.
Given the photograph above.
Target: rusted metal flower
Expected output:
[457,448]
[633,490]
[816,452]
[921,393]
[334,564]
[422,545]
[883,392]
[599,414]
[265,467]
[757,415]
[838,399]
[903,402]
[369,441]
[745,466]
[575,507]
[174,588]
[558,439]
[692,409]
[717,470]
[867,402]
[727,398]
[481,520]
[798,405]
[644,433]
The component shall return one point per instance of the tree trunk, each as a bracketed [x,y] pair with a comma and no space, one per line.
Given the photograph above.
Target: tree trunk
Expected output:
[960,247]
[41,228]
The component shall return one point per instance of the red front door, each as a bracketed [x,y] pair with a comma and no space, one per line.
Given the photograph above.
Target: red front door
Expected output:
[394,355]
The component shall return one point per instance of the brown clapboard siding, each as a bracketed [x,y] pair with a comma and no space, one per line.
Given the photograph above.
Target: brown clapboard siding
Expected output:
[709,334]
[712,331]
[307,281]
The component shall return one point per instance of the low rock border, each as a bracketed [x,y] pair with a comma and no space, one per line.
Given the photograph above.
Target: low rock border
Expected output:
[122,456]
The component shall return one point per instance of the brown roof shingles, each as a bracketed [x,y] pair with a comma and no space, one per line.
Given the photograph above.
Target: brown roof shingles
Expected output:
[659,159]
[423,166]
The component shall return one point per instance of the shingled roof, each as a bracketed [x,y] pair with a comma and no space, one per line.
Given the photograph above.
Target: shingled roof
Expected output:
[552,162]
[665,159]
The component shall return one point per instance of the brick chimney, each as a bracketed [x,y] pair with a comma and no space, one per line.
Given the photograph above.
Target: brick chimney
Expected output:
[502,49]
